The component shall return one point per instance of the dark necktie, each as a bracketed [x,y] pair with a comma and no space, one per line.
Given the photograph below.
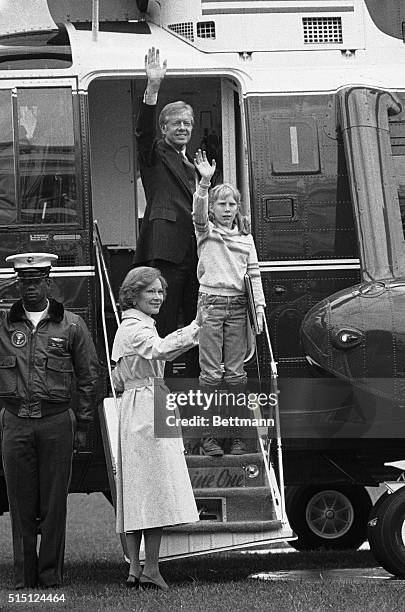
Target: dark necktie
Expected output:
[190,172]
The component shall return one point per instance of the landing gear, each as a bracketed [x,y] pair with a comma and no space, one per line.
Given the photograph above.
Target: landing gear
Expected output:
[386,532]
[328,517]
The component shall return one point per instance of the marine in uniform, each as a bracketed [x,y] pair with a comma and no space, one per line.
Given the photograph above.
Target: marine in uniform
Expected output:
[46,353]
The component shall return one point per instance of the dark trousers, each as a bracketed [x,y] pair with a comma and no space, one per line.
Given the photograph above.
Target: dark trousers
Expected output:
[182,295]
[37,462]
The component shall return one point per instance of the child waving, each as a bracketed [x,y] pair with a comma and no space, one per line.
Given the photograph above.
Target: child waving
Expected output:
[226,252]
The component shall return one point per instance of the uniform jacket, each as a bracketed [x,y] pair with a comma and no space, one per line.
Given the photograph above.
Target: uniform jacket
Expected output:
[167,229]
[47,364]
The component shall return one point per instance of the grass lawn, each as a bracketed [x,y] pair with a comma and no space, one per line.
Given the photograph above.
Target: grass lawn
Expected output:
[95,574]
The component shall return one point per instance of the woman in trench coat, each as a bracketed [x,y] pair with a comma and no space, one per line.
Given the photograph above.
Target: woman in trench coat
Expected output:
[153,485]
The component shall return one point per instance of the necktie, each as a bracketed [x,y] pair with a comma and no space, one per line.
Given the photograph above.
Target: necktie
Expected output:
[190,172]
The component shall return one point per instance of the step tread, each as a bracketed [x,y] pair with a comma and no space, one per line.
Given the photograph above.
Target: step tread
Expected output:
[224,461]
[217,526]
[262,491]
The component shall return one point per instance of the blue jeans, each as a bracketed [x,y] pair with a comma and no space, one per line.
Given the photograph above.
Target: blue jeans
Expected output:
[223,337]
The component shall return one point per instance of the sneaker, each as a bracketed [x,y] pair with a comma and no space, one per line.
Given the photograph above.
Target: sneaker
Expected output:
[238,447]
[211,447]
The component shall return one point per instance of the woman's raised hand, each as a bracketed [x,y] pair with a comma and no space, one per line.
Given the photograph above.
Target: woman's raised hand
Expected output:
[203,166]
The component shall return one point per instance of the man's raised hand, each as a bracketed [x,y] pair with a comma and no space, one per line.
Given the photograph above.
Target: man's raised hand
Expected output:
[154,71]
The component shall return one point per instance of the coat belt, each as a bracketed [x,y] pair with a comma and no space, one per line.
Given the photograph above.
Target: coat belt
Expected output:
[144,382]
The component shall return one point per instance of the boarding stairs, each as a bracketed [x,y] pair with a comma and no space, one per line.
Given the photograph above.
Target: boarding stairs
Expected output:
[240,498]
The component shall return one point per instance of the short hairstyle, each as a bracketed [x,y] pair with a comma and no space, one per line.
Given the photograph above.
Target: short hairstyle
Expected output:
[174,107]
[221,192]
[136,281]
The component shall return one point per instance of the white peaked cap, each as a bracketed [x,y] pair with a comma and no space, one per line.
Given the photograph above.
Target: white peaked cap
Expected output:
[32,262]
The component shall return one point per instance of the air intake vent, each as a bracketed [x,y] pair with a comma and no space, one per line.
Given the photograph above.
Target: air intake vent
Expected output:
[321,30]
[183,29]
[206,29]
[67,259]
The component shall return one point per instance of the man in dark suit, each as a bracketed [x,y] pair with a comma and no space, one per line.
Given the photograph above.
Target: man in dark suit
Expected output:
[166,239]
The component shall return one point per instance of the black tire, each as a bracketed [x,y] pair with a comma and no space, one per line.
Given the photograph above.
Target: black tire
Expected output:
[328,517]
[386,533]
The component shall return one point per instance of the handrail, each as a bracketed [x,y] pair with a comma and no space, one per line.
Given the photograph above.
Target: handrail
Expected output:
[275,390]
[99,249]
[102,270]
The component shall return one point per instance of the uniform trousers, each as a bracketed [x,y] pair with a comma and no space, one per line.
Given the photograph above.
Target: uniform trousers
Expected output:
[37,461]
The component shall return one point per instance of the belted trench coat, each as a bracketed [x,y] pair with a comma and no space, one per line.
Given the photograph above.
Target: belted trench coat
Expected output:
[153,485]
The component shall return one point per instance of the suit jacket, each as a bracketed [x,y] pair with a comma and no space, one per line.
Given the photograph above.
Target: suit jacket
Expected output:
[167,230]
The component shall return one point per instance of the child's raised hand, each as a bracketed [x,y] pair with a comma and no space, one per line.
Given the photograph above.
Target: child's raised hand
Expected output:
[203,166]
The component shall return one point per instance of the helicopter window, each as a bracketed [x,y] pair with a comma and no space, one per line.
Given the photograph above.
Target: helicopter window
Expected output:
[46,156]
[37,158]
[295,146]
[8,201]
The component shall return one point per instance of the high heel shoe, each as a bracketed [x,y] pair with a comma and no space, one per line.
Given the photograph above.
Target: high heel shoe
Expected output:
[132,582]
[145,582]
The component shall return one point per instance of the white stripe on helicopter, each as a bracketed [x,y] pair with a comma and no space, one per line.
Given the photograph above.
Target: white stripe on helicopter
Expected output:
[309,264]
[57,271]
